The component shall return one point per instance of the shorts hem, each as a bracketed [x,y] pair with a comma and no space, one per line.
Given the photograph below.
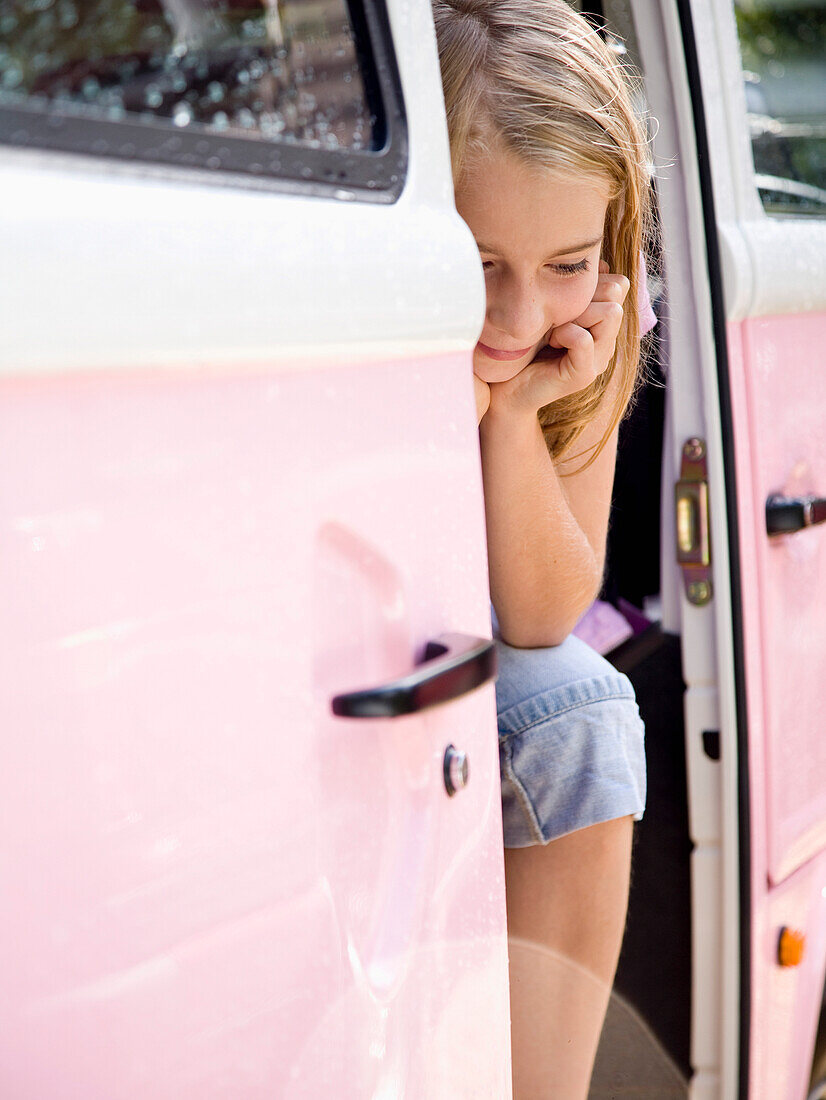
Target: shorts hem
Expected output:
[546,706]
[597,770]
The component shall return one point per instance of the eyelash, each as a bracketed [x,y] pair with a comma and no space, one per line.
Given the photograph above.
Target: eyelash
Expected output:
[560,269]
[571,269]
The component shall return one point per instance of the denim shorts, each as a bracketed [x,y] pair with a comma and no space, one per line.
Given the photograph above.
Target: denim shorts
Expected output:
[571,742]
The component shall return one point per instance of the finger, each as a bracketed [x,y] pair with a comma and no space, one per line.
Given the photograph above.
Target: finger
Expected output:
[606,314]
[611,288]
[603,267]
[577,364]
[603,320]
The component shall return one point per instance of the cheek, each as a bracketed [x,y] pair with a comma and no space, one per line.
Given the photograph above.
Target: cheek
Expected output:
[576,298]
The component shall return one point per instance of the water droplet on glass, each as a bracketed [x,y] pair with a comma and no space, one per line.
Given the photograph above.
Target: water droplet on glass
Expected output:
[153,97]
[213,162]
[12,77]
[220,120]
[67,16]
[182,114]
[216,91]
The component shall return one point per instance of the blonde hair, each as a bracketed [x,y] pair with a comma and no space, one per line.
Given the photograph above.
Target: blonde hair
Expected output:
[534,77]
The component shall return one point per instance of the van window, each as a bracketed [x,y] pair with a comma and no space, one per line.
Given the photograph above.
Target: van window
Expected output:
[784,62]
[192,79]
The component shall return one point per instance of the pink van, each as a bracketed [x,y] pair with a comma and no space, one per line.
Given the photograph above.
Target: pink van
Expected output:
[252,834]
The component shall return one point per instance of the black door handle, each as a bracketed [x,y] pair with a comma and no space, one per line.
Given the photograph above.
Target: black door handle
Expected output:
[453,665]
[785,515]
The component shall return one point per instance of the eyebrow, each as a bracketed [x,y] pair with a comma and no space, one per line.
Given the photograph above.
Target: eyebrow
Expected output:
[561,252]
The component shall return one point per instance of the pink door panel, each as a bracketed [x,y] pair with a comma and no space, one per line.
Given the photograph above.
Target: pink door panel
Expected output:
[216,888]
[783,364]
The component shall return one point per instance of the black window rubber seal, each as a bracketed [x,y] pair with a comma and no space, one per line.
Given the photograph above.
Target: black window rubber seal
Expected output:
[735,578]
[373,175]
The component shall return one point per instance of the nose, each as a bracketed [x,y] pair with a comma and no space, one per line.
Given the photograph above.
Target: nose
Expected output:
[516,308]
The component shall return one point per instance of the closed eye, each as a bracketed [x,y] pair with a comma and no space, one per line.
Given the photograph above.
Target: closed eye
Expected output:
[571,269]
[560,269]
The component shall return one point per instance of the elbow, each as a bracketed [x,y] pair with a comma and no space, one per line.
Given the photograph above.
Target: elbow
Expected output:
[537,632]
[540,637]
[543,627]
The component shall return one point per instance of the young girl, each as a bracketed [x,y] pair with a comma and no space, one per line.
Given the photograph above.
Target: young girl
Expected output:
[550,170]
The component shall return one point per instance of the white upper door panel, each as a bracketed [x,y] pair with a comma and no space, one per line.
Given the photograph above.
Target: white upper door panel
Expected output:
[134,264]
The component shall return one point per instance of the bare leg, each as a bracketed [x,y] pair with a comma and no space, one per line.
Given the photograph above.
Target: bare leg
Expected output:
[566,902]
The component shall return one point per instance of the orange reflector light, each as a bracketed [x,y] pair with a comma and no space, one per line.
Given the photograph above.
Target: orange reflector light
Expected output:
[790,947]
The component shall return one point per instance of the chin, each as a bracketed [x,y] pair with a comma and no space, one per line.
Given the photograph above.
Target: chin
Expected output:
[490,371]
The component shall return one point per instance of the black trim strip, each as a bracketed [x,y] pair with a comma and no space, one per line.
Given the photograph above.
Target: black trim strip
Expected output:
[718,313]
[373,175]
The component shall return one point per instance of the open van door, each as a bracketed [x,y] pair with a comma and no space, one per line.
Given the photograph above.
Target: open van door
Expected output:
[250,788]
[739,93]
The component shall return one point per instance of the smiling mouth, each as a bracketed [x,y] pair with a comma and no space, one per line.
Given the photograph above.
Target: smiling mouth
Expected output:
[503,356]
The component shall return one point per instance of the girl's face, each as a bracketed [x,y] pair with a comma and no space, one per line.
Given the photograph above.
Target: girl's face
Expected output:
[540,239]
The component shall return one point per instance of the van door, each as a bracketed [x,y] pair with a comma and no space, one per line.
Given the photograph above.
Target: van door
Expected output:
[742,89]
[250,772]
[768,158]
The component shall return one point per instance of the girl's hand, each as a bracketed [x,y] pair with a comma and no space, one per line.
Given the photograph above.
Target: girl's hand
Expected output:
[578,351]
[481,391]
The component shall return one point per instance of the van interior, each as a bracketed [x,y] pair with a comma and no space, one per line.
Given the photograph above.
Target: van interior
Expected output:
[644,1052]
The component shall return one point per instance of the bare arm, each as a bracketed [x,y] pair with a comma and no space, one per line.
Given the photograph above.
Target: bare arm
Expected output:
[546,533]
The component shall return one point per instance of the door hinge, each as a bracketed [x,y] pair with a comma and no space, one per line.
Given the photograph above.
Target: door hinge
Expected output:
[693,531]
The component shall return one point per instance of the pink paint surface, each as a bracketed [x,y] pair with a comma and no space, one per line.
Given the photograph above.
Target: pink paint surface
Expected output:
[212,887]
[777,368]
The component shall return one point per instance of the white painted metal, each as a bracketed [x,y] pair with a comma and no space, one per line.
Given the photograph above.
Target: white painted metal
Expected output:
[767,262]
[782,254]
[152,240]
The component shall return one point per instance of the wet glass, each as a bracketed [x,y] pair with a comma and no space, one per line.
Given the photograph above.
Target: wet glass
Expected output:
[282,71]
[783,46]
